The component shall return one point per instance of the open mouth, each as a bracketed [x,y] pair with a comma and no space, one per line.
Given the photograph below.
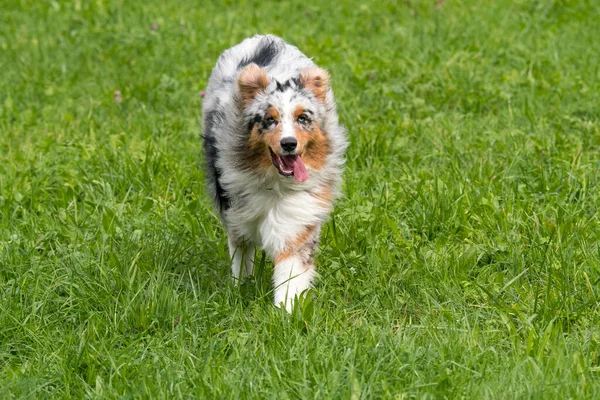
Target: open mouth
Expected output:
[291,165]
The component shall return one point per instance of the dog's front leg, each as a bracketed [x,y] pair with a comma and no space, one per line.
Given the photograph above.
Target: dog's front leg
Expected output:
[295,269]
[242,258]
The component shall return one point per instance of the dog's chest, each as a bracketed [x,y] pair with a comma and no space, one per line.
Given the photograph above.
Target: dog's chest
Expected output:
[271,219]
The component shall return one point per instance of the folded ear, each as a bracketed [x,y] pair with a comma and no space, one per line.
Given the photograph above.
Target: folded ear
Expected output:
[316,80]
[251,82]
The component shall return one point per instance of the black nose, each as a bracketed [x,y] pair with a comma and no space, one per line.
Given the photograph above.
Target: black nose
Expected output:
[289,143]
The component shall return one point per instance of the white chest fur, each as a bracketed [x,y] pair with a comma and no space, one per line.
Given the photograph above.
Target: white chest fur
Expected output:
[270,218]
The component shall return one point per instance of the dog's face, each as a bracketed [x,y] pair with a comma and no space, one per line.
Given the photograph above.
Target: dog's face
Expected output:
[284,121]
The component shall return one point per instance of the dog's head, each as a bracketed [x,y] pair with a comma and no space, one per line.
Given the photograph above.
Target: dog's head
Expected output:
[284,121]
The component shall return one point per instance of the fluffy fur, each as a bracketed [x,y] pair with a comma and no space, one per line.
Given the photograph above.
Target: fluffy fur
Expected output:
[274,155]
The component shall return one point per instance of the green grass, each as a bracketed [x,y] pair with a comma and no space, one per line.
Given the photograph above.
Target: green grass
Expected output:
[463,260]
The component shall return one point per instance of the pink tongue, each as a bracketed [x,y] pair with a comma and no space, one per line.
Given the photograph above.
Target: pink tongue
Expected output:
[300,173]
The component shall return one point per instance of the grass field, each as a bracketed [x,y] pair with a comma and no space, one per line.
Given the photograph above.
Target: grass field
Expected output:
[463,260]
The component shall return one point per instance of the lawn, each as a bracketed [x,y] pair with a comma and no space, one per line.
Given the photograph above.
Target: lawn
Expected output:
[462,261]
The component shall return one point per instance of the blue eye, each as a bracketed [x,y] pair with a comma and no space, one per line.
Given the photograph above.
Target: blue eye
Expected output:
[302,119]
[270,120]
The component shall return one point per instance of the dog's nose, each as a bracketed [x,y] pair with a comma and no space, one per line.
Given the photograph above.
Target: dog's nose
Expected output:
[288,143]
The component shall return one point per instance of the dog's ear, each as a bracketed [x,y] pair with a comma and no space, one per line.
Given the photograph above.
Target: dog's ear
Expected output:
[316,80]
[251,82]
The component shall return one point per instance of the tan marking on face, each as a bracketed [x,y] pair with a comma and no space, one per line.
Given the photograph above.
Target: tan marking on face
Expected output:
[292,248]
[298,112]
[272,111]
[272,137]
[256,155]
[313,145]
[302,136]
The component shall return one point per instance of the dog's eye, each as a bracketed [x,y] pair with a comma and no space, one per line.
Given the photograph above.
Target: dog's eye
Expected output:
[303,118]
[270,120]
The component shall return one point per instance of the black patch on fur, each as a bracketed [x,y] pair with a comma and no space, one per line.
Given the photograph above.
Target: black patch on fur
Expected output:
[298,83]
[255,120]
[312,248]
[263,55]
[290,83]
[212,118]
[211,155]
[308,249]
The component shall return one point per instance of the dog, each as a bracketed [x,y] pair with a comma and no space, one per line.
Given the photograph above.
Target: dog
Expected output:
[274,154]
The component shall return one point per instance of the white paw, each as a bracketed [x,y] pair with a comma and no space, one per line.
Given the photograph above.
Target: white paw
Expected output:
[290,285]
